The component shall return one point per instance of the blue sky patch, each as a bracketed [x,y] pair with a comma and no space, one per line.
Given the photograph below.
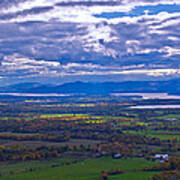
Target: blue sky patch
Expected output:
[140,10]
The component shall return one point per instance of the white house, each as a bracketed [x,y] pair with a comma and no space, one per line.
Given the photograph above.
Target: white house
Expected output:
[116,156]
[162,157]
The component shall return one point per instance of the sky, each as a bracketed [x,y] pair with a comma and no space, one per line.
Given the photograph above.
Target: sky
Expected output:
[59,41]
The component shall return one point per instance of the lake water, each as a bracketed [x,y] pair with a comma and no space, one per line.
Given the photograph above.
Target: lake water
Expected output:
[156,107]
[35,94]
[140,95]
[148,95]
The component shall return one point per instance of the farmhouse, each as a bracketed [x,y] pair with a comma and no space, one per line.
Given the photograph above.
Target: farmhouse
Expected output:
[161,157]
[116,156]
[172,119]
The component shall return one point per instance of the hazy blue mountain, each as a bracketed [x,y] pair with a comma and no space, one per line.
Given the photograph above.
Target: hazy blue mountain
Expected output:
[172,86]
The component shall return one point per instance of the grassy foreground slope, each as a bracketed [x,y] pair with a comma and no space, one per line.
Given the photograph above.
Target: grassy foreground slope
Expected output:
[133,175]
[88,170]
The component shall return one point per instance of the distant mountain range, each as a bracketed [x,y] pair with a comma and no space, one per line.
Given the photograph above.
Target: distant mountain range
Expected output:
[172,87]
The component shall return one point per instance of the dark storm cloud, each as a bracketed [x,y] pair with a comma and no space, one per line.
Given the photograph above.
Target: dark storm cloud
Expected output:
[42,37]
[8,3]
[36,10]
[89,3]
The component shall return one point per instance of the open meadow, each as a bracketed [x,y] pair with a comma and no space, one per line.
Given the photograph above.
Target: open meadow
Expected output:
[84,170]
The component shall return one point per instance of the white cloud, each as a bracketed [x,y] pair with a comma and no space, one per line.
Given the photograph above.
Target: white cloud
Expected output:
[38,68]
[16,62]
[173,38]
[95,33]
[82,14]
[170,51]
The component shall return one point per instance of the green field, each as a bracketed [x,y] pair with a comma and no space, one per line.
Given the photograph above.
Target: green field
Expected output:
[7,169]
[133,176]
[167,116]
[162,136]
[165,136]
[62,115]
[89,169]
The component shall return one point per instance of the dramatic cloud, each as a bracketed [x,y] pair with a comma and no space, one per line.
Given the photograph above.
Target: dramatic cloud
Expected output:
[93,38]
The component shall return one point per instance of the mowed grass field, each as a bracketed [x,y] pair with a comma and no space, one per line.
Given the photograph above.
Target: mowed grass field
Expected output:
[89,169]
[17,168]
[133,176]
[168,116]
[166,136]
[162,136]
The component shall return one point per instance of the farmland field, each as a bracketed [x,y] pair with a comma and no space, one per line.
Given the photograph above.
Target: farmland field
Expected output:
[86,170]
[51,139]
